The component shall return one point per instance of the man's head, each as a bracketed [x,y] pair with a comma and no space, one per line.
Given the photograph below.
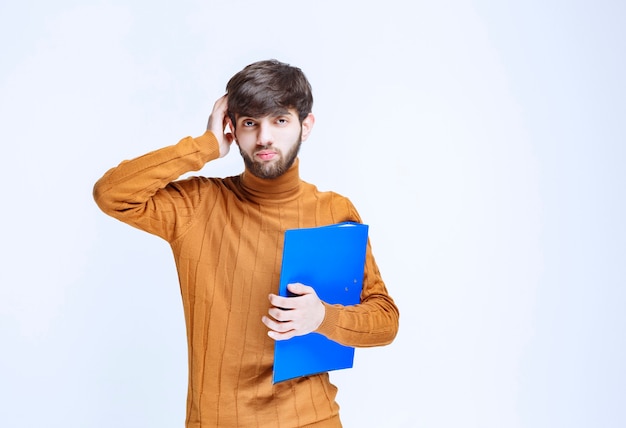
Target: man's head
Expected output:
[266,87]
[269,106]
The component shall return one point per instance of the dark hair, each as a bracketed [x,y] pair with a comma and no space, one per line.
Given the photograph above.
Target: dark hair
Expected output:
[267,87]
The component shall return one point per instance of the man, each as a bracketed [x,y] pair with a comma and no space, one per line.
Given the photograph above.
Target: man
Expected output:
[226,235]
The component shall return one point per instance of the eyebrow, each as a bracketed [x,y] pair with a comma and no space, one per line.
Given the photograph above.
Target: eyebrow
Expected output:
[275,113]
[281,112]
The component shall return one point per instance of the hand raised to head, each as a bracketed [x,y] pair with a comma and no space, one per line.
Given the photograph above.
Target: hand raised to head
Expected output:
[221,126]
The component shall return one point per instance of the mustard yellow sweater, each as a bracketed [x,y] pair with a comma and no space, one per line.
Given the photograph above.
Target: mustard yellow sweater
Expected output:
[226,236]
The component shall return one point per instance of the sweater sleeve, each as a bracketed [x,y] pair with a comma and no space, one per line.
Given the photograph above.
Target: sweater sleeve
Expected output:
[372,322]
[142,192]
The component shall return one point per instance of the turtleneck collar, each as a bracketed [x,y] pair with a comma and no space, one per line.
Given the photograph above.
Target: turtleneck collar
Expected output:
[276,190]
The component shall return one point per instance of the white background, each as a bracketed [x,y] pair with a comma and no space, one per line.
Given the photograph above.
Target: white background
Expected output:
[482,141]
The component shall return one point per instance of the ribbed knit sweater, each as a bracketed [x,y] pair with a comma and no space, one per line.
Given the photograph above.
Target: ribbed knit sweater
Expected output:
[226,235]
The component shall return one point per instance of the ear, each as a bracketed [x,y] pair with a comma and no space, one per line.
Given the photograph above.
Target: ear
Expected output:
[307,126]
[230,128]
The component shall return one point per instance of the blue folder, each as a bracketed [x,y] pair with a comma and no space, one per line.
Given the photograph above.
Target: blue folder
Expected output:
[331,259]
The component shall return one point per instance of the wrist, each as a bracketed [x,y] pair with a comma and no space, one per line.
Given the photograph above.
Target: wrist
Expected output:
[208,145]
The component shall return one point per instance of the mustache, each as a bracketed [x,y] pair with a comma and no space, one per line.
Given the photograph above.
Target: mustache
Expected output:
[267,147]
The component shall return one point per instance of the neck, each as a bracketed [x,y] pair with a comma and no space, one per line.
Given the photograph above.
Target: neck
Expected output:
[283,188]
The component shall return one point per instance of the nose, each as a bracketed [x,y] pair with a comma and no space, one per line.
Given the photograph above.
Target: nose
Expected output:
[264,137]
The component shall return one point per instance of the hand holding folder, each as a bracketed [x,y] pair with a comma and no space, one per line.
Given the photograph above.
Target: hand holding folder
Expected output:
[331,259]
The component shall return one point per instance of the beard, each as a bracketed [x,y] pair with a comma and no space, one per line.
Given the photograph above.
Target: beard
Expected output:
[273,169]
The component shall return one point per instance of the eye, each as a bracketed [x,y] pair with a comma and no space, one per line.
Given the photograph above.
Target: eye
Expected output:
[248,123]
[282,121]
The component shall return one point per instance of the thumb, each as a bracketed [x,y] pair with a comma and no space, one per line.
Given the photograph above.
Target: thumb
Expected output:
[298,288]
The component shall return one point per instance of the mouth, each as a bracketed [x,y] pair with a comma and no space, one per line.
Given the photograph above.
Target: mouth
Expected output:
[266,155]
